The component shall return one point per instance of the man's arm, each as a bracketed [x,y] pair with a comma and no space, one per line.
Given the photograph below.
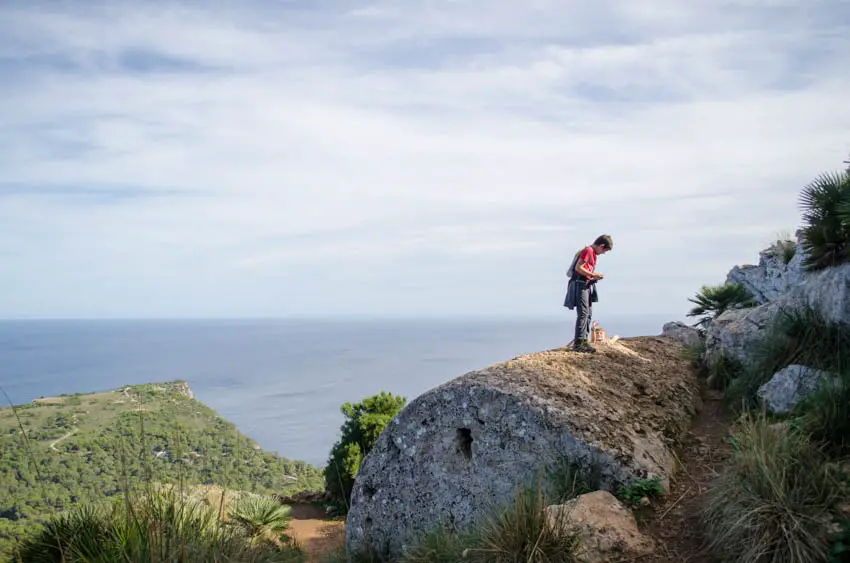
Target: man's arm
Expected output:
[585,272]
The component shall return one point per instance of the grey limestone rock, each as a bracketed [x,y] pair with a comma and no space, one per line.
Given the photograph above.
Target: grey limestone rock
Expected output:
[735,332]
[770,278]
[461,448]
[679,331]
[789,386]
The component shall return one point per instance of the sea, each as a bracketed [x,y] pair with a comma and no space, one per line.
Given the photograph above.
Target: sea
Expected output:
[281,382]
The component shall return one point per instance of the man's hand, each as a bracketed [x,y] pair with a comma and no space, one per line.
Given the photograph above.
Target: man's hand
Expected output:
[598,276]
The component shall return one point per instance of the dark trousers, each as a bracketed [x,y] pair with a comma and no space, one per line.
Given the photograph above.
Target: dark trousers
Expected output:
[583,312]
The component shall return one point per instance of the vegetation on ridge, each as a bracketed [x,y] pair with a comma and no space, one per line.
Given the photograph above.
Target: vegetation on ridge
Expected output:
[81,449]
[160,526]
[364,422]
[825,236]
[712,301]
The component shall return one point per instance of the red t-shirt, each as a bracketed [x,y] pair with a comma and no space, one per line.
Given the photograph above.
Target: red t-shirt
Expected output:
[588,256]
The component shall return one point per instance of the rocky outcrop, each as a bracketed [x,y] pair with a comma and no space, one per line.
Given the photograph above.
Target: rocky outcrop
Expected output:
[606,530]
[680,332]
[770,278]
[456,450]
[789,386]
[736,332]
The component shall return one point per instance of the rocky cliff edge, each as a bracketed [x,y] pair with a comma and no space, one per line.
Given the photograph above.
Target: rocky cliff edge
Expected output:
[462,447]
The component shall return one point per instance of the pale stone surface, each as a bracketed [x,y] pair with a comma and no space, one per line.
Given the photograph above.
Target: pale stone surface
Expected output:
[606,529]
[680,332]
[735,332]
[456,450]
[826,291]
[789,386]
[769,279]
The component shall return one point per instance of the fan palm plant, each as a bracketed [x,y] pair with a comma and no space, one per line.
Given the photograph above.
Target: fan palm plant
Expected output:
[261,517]
[711,301]
[826,218]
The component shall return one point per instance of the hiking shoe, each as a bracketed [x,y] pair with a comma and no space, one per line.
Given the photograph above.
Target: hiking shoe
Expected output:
[583,346]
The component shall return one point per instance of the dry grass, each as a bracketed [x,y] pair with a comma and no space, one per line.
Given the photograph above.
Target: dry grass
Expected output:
[772,502]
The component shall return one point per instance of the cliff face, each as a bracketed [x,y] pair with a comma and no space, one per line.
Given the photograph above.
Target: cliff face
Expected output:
[777,285]
[456,450]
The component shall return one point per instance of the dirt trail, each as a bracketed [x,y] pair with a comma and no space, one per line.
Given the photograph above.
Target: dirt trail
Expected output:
[314,532]
[65,437]
[675,523]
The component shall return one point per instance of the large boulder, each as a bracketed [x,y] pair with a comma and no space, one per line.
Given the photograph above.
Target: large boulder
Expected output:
[826,291]
[789,386]
[769,279]
[457,450]
[735,333]
[679,331]
[606,530]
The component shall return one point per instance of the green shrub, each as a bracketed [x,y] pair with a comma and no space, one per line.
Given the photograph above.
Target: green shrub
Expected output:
[826,415]
[364,422]
[772,501]
[712,301]
[722,370]
[159,527]
[260,517]
[517,532]
[640,488]
[826,220]
[566,480]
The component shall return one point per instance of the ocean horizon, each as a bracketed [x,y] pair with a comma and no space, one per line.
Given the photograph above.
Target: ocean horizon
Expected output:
[281,381]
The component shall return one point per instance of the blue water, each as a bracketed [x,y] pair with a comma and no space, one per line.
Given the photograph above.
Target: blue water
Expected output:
[280,381]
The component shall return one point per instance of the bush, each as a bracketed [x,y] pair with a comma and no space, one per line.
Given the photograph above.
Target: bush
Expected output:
[261,517]
[722,370]
[825,235]
[712,301]
[772,501]
[518,532]
[796,335]
[634,492]
[826,415]
[363,424]
[159,527]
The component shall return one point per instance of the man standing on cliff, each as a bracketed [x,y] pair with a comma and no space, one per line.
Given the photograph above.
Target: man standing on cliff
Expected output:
[581,289]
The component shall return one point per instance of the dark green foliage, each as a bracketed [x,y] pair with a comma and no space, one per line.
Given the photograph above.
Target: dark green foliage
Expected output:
[566,480]
[826,415]
[840,552]
[364,422]
[712,301]
[640,488]
[261,517]
[825,235]
[160,527]
[772,500]
[120,441]
[796,335]
[517,532]
[722,370]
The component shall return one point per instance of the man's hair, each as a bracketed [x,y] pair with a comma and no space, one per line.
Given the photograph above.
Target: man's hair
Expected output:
[604,241]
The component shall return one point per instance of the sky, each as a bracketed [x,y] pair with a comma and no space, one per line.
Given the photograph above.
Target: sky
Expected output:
[426,157]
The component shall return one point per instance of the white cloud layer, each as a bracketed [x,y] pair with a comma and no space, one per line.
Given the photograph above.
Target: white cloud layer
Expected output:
[430,156]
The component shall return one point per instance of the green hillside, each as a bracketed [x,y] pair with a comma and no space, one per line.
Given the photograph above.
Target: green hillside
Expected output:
[85,448]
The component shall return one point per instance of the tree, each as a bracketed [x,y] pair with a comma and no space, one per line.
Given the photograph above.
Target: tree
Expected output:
[363,424]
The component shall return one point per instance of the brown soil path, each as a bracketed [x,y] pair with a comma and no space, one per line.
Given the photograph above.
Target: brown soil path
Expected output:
[675,522]
[314,532]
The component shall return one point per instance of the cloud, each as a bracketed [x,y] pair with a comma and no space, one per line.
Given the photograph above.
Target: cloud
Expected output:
[202,161]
